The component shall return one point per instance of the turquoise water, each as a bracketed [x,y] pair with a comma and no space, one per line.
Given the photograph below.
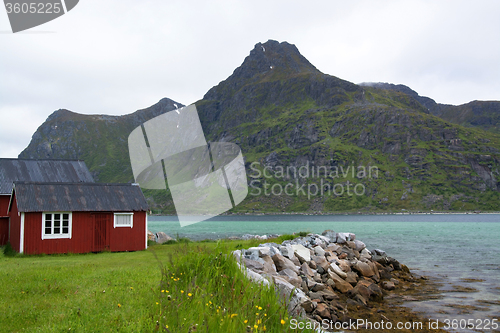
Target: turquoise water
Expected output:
[445,246]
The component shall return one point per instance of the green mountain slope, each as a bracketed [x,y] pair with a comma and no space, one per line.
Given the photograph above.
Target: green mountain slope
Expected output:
[100,140]
[312,143]
[481,114]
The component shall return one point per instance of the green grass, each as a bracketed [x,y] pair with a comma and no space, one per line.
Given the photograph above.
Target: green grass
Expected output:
[121,292]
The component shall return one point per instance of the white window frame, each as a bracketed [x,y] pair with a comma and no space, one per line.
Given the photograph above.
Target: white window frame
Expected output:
[116,225]
[60,235]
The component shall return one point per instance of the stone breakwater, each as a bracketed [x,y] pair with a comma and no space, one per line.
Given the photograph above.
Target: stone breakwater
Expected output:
[331,277]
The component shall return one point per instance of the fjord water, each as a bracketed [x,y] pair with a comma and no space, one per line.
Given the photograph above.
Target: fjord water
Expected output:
[460,250]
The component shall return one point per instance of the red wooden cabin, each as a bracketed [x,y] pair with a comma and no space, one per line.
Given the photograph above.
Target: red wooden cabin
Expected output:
[12,169]
[77,217]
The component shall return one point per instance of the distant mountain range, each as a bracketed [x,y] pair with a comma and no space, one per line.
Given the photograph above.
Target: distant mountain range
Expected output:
[287,115]
[482,114]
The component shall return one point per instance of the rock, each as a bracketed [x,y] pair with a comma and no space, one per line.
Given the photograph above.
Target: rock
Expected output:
[289,273]
[360,300]
[380,252]
[269,266]
[237,255]
[151,236]
[328,294]
[388,285]
[395,281]
[340,284]
[315,296]
[344,265]
[273,248]
[325,241]
[295,260]
[312,265]
[293,296]
[162,237]
[252,275]
[318,250]
[394,263]
[351,244]
[336,269]
[302,252]
[287,251]
[282,263]
[364,269]
[306,270]
[360,246]
[321,262]
[253,264]
[380,259]
[343,237]
[332,235]
[323,311]
[350,254]
[309,306]
[365,254]
[352,278]
[334,248]
[318,287]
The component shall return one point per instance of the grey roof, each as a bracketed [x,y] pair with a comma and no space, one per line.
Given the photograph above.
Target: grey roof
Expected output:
[79,197]
[68,171]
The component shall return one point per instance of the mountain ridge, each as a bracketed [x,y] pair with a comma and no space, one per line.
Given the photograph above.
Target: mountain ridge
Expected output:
[292,115]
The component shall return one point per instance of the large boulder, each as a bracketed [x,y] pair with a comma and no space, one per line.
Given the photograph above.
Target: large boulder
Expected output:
[332,235]
[151,236]
[364,269]
[292,295]
[253,265]
[282,263]
[337,270]
[302,252]
[340,284]
[162,237]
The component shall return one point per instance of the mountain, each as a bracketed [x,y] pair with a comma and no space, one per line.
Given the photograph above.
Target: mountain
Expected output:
[100,140]
[303,131]
[481,114]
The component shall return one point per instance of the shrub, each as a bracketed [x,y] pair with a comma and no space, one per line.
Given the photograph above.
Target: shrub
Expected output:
[8,251]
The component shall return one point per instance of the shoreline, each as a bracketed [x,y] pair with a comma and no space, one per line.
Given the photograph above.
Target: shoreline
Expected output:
[338,281]
[347,213]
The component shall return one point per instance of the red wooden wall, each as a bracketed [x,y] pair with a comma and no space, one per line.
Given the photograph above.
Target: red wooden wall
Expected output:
[83,235]
[15,226]
[4,230]
[4,205]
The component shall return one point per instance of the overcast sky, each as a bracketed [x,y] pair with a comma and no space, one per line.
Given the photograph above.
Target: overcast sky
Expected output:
[117,56]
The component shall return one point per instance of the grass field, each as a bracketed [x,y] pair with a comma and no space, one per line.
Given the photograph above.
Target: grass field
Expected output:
[167,288]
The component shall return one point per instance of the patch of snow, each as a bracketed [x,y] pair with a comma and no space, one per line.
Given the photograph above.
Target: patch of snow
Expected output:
[263,48]
[271,67]
[176,106]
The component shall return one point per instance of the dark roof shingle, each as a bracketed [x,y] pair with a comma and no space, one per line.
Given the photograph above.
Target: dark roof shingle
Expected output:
[79,197]
[68,171]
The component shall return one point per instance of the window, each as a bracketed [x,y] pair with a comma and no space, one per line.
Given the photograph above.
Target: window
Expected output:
[56,225]
[124,220]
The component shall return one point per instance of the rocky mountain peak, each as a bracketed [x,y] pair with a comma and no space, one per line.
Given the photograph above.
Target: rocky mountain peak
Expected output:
[267,62]
[273,56]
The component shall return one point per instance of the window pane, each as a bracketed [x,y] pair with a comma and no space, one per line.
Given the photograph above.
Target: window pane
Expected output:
[48,224]
[124,220]
[57,223]
[65,230]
